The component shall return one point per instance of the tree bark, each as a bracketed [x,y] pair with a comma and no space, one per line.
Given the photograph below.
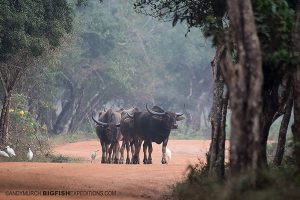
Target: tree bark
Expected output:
[296,90]
[244,80]
[81,113]
[5,118]
[222,138]
[270,108]
[216,152]
[283,131]
[296,125]
[64,116]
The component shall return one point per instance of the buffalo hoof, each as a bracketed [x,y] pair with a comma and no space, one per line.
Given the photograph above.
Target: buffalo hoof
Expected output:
[127,161]
[164,161]
[121,161]
[145,161]
[116,161]
[135,160]
[149,161]
[103,160]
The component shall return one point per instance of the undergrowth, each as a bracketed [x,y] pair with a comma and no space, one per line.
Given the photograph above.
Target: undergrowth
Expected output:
[274,183]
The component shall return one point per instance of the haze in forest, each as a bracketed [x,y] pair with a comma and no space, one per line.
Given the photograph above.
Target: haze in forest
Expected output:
[118,58]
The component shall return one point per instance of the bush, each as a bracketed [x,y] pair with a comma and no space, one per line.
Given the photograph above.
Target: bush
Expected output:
[25,131]
[274,182]
[198,185]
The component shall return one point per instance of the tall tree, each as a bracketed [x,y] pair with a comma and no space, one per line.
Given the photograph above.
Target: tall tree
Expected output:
[296,88]
[216,152]
[244,79]
[28,29]
[284,127]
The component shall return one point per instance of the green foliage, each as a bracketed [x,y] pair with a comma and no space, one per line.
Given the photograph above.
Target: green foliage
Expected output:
[208,15]
[25,130]
[275,24]
[197,185]
[32,25]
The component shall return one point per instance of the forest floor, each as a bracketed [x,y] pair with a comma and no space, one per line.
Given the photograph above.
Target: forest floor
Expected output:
[125,181]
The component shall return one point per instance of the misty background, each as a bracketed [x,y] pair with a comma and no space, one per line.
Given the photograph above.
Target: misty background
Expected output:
[118,58]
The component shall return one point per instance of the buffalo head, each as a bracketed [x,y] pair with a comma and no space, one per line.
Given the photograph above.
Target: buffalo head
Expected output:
[108,129]
[168,118]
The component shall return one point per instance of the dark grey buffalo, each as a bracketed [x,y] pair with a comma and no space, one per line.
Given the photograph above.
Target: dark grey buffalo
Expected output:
[127,130]
[153,125]
[108,131]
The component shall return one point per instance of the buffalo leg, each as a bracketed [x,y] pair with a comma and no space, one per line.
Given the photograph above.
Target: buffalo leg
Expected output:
[132,147]
[115,153]
[136,157]
[164,147]
[128,151]
[107,153]
[150,149]
[110,152]
[145,146]
[122,151]
[103,159]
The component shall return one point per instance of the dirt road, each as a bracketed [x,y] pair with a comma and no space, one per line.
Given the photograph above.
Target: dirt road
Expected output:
[107,181]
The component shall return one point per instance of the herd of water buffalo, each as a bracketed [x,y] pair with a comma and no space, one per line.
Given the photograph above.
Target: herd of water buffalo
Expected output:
[132,127]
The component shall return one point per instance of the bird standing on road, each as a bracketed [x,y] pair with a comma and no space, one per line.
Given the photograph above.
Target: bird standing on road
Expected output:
[93,156]
[29,154]
[10,151]
[4,154]
[168,153]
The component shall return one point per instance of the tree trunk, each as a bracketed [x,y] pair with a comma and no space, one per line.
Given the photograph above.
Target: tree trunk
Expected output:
[5,118]
[82,111]
[283,130]
[296,90]
[244,80]
[222,138]
[67,108]
[296,125]
[216,151]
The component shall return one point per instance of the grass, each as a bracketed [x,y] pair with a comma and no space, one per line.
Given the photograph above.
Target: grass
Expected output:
[48,158]
[274,183]
[71,138]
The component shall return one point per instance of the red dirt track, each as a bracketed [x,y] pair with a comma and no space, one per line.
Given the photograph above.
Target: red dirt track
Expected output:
[129,181]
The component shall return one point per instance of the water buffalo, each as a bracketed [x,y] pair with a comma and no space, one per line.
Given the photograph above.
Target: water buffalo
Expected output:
[153,125]
[108,131]
[127,129]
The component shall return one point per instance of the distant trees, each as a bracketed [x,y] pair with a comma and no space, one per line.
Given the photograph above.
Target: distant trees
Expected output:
[115,57]
[28,29]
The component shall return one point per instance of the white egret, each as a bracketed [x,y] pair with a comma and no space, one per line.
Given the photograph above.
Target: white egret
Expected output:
[4,154]
[10,151]
[29,154]
[168,153]
[93,156]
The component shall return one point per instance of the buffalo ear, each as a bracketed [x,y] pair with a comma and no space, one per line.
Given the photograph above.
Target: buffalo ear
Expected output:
[179,118]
